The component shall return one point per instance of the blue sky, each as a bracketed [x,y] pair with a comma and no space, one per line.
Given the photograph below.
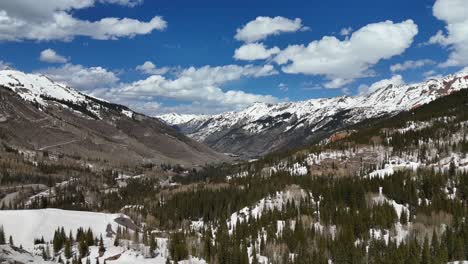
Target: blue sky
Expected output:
[189,48]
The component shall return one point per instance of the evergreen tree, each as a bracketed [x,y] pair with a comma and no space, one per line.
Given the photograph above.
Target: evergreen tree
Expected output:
[83,248]
[116,241]
[426,252]
[254,255]
[178,247]
[102,249]
[67,251]
[2,236]
[153,244]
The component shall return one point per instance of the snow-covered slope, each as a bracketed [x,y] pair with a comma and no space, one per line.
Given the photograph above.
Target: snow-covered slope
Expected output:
[41,90]
[14,255]
[176,119]
[26,225]
[32,87]
[278,125]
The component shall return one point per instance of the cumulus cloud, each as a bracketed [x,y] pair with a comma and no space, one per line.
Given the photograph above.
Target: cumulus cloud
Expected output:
[262,27]
[4,65]
[455,14]
[254,51]
[431,74]
[82,78]
[150,68]
[129,3]
[341,62]
[396,80]
[51,56]
[410,64]
[53,20]
[200,86]
[195,90]
[346,31]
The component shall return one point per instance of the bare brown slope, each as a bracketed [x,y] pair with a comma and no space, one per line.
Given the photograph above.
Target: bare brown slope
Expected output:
[114,137]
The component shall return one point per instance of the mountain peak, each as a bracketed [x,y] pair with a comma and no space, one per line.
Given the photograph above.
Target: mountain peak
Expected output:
[272,126]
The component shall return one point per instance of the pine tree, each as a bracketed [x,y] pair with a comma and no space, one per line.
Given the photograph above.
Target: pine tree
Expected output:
[178,247]
[434,244]
[102,249]
[11,241]
[2,236]
[254,255]
[426,252]
[83,248]
[153,244]
[136,237]
[67,250]
[403,217]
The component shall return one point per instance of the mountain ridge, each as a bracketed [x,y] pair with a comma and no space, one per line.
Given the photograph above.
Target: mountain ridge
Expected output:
[286,124]
[39,114]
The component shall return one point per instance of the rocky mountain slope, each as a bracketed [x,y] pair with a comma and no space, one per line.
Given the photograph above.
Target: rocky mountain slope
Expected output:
[39,114]
[263,128]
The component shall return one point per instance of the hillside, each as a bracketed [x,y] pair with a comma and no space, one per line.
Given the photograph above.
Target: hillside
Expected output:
[388,190]
[29,225]
[264,128]
[38,114]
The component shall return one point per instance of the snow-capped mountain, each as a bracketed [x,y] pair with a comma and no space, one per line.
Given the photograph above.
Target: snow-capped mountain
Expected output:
[42,91]
[37,113]
[262,128]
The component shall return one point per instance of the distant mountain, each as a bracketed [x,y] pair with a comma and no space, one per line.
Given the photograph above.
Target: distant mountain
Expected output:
[39,114]
[263,128]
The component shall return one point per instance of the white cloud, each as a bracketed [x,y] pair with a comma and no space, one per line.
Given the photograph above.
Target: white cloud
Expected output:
[200,86]
[410,64]
[4,65]
[346,31]
[346,91]
[464,70]
[254,51]
[283,87]
[262,27]
[129,3]
[51,56]
[455,14]
[341,62]
[432,75]
[149,68]
[337,83]
[198,90]
[396,80]
[53,20]
[82,78]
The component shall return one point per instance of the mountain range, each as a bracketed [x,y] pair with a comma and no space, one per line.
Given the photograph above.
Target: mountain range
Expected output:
[263,128]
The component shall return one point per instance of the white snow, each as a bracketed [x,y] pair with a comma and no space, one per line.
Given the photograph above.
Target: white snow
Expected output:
[31,86]
[127,113]
[394,165]
[269,203]
[26,225]
[318,112]
[17,255]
